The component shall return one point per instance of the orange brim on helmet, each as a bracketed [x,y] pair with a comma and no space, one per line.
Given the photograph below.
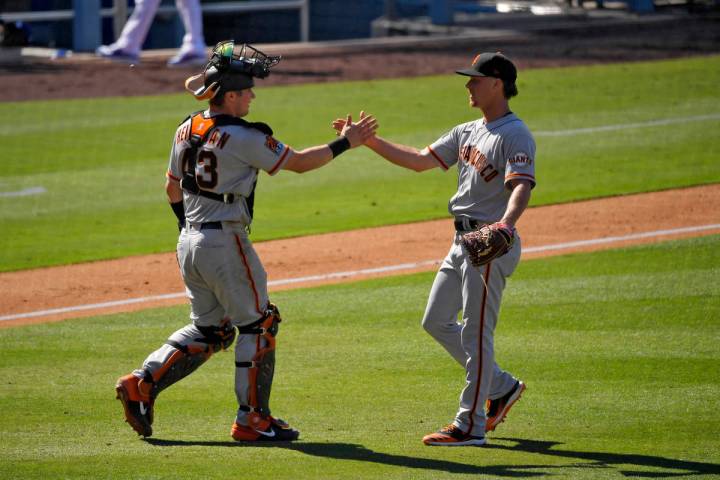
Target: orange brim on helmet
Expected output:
[204,92]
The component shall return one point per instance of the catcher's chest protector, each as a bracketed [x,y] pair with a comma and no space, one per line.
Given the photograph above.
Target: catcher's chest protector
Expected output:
[195,160]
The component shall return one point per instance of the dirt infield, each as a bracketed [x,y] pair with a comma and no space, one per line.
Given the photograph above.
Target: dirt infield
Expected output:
[366,253]
[136,282]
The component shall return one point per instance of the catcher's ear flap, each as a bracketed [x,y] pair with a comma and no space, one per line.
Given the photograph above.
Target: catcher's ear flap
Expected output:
[202,93]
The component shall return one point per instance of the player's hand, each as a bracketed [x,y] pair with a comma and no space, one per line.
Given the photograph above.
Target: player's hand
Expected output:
[357,133]
[339,123]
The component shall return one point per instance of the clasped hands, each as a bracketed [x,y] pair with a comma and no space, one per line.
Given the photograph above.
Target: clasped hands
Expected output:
[357,133]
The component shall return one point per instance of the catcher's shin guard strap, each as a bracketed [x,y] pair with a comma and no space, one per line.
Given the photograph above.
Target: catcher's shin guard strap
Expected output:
[268,324]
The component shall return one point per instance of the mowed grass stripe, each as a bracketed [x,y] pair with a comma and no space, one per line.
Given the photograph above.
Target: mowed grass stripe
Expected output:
[613,345]
[627,126]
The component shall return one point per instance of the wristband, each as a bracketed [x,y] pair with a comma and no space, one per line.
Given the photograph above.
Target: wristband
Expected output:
[339,145]
[178,209]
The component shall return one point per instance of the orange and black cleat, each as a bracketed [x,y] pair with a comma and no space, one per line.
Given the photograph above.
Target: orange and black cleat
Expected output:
[267,429]
[452,436]
[498,409]
[138,408]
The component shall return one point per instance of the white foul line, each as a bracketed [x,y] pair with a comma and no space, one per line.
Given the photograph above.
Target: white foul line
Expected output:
[621,238]
[608,128]
[24,193]
[366,271]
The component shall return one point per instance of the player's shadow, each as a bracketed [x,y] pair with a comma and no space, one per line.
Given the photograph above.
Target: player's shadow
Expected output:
[625,463]
[350,451]
[620,461]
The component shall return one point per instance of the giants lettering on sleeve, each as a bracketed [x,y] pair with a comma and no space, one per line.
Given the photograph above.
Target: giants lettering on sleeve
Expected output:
[476,159]
[520,158]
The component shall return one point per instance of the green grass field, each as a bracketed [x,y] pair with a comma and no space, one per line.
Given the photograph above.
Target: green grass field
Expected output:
[619,350]
[101,162]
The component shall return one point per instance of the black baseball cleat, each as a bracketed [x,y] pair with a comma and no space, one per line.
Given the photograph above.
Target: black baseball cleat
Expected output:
[138,411]
[498,409]
[270,430]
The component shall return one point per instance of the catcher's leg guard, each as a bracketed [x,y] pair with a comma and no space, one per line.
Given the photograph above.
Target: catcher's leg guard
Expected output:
[184,352]
[254,376]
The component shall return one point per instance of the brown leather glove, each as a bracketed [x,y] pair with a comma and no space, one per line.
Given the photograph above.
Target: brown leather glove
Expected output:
[488,242]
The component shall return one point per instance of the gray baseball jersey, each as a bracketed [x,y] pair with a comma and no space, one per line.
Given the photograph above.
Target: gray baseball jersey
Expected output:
[232,157]
[488,156]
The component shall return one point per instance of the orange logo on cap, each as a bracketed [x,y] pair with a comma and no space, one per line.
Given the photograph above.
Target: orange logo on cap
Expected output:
[475,59]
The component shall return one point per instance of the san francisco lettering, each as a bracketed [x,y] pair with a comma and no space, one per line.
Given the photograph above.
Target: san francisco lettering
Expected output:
[476,159]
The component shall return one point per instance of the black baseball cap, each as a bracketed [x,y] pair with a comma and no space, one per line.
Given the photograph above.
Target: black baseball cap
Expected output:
[490,64]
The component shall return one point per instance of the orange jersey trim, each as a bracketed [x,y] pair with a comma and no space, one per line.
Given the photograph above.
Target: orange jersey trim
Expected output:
[442,164]
[170,175]
[279,162]
[519,175]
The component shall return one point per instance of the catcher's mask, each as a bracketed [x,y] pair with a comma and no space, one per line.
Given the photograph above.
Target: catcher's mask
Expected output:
[231,67]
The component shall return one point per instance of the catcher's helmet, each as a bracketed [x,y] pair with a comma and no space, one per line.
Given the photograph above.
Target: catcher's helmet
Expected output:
[231,67]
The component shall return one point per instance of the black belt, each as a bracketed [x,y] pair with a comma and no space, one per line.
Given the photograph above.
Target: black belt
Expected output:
[205,226]
[466,224]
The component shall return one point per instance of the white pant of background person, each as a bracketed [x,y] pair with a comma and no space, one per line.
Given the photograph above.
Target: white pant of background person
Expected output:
[137,27]
[477,292]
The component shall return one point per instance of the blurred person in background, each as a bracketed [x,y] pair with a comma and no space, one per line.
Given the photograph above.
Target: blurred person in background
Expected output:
[127,47]
[14,34]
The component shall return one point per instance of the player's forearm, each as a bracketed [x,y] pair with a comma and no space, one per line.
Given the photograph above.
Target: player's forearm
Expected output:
[173,190]
[519,200]
[309,159]
[315,157]
[402,155]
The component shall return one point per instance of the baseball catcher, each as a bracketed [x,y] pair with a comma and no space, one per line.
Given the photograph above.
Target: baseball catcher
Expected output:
[215,163]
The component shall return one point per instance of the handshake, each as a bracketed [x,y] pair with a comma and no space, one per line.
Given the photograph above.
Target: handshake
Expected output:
[359,133]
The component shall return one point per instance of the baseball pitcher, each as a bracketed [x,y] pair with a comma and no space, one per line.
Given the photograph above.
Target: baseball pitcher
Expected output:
[495,158]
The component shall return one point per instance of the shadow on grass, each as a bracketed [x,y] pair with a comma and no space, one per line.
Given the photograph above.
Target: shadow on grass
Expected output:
[610,460]
[591,460]
[350,451]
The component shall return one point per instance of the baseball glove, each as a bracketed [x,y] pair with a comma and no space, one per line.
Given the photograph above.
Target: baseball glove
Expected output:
[488,242]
